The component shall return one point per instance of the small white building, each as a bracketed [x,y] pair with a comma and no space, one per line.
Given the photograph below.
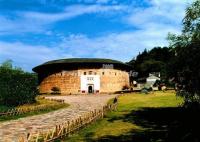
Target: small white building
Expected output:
[151,80]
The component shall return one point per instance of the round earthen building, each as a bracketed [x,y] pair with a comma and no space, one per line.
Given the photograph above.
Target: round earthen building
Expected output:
[82,76]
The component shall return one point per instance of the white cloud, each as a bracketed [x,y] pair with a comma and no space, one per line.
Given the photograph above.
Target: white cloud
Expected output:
[153,24]
[28,56]
[102,1]
[156,21]
[161,13]
[38,22]
[172,2]
[120,46]
[10,26]
[72,11]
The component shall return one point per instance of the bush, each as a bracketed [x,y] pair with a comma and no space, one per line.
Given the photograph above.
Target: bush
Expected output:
[144,90]
[17,87]
[125,87]
[55,90]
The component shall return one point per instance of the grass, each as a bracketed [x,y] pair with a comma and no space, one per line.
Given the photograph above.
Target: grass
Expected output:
[156,117]
[53,105]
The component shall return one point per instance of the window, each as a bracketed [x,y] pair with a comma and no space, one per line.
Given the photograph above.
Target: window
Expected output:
[85,73]
[95,73]
[103,73]
[90,72]
[90,78]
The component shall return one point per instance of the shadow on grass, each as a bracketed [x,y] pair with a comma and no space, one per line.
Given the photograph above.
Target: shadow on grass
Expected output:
[160,125]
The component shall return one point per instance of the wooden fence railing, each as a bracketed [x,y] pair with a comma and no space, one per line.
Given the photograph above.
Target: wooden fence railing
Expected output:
[19,111]
[66,128]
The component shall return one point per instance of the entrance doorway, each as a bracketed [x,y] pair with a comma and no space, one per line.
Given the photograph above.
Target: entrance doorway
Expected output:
[90,88]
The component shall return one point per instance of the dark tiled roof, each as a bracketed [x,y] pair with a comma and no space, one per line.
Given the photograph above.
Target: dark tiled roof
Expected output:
[78,61]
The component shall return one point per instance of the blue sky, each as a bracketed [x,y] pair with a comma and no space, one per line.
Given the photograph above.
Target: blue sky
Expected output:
[36,31]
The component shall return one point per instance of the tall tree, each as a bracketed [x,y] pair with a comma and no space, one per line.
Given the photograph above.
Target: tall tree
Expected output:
[7,64]
[154,60]
[16,86]
[191,22]
[185,67]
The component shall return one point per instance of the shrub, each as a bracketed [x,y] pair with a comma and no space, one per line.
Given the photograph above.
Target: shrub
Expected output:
[125,87]
[144,90]
[55,90]
[17,87]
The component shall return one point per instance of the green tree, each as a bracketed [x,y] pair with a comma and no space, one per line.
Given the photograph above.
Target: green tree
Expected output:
[185,67]
[191,22]
[7,64]
[154,60]
[16,86]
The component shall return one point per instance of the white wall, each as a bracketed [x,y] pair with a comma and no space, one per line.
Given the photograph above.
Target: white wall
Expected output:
[90,79]
[151,80]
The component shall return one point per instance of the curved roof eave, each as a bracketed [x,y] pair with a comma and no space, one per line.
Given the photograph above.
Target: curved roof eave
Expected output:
[78,61]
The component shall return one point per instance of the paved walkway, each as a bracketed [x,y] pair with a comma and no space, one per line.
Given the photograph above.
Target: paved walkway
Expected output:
[11,130]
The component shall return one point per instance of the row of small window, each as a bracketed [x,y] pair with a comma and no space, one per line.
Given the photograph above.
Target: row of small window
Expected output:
[90,78]
[91,73]
[85,73]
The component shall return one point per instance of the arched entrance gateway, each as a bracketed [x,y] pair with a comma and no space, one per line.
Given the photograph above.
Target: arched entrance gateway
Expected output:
[90,89]
[82,76]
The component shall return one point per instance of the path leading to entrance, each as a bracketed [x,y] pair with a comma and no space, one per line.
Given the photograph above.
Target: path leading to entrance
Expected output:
[11,130]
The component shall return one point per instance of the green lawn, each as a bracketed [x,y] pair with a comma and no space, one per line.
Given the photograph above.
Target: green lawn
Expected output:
[51,106]
[139,117]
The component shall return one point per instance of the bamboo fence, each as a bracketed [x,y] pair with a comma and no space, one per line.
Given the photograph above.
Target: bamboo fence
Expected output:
[66,128]
[19,111]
